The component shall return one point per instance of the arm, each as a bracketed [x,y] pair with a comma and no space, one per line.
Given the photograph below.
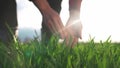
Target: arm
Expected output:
[74,20]
[42,5]
[74,8]
[50,17]
[74,26]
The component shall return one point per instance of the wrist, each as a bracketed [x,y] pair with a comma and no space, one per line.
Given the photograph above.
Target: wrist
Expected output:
[74,14]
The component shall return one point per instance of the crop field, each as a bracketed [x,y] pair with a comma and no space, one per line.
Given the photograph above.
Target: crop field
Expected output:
[57,55]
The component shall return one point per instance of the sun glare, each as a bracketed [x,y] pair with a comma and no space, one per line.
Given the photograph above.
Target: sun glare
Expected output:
[100,18]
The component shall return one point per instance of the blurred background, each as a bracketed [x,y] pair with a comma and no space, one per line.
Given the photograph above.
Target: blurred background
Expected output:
[100,19]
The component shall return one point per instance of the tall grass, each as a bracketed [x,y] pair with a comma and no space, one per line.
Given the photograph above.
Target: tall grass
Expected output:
[57,55]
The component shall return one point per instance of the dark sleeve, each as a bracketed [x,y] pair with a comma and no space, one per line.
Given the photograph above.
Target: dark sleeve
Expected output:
[30,0]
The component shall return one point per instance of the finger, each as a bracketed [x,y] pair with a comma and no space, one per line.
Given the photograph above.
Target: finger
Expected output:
[74,42]
[69,38]
[80,35]
[80,31]
[50,26]
[71,42]
[74,38]
[60,28]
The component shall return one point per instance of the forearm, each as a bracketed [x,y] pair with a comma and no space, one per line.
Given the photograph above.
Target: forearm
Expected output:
[42,5]
[74,7]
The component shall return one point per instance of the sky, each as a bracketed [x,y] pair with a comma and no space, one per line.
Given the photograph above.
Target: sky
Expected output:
[100,18]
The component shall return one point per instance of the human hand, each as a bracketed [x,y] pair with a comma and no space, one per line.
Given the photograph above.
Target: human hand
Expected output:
[74,29]
[52,21]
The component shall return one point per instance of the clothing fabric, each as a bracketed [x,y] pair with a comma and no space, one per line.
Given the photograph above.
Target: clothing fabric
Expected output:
[8,20]
[8,14]
[55,4]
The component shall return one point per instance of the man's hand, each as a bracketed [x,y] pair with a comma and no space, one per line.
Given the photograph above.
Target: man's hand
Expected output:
[53,22]
[50,17]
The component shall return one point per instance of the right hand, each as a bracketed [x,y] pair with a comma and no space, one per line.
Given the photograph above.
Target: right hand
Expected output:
[53,22]
[51,18]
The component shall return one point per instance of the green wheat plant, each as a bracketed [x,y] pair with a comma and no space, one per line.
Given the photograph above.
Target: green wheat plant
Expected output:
[36,54]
